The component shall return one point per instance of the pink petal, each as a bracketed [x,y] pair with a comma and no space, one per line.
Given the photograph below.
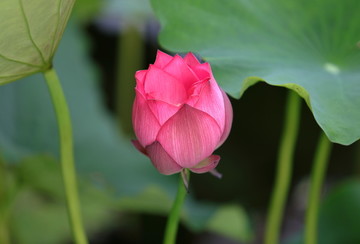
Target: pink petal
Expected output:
[202,71]
[140,77]
[228,118]
[162,110]
[189,136]
[145,124]
[206,165]
[210,100]
[195,91]
[138,146]
[181,71]
[161,160]
[162,59]
[159,85]
[191,60]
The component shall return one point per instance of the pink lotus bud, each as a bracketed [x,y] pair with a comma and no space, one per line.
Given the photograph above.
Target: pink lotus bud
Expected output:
[180,114]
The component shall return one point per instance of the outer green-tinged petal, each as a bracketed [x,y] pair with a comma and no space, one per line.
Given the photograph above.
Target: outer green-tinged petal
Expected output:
[206,165]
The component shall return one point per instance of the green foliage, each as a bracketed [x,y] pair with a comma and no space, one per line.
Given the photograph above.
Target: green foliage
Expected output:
[311,47]
[86,10]
[339,215]
[231,221]
[30,33]
[39,208]
[103,154]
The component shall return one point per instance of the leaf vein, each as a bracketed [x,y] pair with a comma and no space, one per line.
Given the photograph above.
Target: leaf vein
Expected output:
[57,27]
[22,74]
[29,31]
[18,61]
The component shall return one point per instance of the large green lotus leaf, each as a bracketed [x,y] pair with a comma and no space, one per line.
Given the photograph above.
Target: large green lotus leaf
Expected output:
[30,31]
[103,153]
[309,46]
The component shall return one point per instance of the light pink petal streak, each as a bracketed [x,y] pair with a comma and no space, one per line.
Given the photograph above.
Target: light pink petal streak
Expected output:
[162,59]
[162,110]
[161,160]
[191,60]
[159,85]
[211,101]
[145,124]
[206,165]
[181,71]
[189,136]
[228,118]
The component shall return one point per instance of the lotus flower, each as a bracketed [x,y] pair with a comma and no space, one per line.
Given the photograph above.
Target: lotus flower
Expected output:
[180,114]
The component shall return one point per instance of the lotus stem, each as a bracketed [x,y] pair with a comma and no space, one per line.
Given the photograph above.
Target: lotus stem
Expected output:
[66,155]
[4,205]
[284,169]
[317,177]
[174,217]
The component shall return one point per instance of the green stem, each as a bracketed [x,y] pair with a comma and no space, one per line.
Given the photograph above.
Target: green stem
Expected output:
[66,155]
[284,168]
[4,210]
[4,230]
[317,177]
[130,59]
[173,220]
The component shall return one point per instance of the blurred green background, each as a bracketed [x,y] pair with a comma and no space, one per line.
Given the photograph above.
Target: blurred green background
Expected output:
[124,199]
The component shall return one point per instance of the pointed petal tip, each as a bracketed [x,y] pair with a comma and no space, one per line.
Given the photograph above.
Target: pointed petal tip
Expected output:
[139,75]
[162,59]
[191,59]
[178,68]
[216,173]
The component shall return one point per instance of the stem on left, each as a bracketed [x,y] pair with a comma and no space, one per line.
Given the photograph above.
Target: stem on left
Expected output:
[4,205]
[66,155]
